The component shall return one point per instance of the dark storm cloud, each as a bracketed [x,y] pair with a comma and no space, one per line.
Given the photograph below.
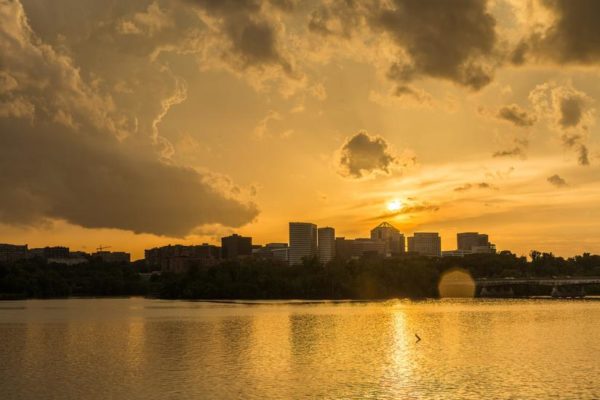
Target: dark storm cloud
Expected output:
[515,114]
[453,40]
[363,154]
[71,156]
[93,182]
[252,36]
[444,39]
[574,35]
[557,181]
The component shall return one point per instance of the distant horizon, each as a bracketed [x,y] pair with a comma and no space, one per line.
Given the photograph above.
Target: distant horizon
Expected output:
[140,255]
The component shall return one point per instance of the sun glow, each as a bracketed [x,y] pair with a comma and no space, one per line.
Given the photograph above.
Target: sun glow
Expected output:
[394,205]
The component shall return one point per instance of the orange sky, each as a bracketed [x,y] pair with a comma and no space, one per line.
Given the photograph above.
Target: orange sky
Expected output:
[138,124]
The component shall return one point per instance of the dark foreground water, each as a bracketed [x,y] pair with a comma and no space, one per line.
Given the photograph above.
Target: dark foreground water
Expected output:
[153,349]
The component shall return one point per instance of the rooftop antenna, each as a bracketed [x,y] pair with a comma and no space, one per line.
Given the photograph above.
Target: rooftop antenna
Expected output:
[101,248]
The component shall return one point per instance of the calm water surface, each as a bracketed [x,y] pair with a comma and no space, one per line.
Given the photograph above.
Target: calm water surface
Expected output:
[154,349]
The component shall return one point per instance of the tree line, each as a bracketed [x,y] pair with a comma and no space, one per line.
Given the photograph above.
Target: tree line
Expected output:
[407,276]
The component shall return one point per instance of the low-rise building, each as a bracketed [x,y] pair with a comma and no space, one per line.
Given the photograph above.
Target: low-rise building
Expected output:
[55,252]
[356,248]
[425,243]
[10,253]
[178,258]
[235,246]
[67,260]
[113,256]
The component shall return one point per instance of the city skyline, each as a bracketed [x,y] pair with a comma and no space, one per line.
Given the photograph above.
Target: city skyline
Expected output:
[305,240]
[139,124]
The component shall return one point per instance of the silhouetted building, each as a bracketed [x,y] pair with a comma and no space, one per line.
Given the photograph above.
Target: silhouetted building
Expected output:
[343,248]
[71,260]
[55,252]
[455,253]
[303,242]
[179,258]
[467,240]
[326,239]
[113,256]
[356,248]
[368,247]
[474,242]
[10,253]
[235,246]
[425,243]
[272,251]
[281,253]
[394,240]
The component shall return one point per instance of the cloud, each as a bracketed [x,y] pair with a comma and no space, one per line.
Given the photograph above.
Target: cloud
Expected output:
[514,152]
[469,186]
[557,181]
[150,22]
[405,210]
[564,105]
[363,155]
[571,37]
[77,157]
[261,129]
[516,115]
[251,35]
[517,151]
[453,40]
[569,111]
[583,157]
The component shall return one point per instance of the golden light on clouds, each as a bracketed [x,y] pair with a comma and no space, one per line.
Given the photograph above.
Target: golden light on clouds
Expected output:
[160,122]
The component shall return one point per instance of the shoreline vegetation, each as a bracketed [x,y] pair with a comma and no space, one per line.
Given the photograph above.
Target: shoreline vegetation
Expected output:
[369,278]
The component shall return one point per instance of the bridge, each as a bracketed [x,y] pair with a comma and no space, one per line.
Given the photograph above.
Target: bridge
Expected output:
[561,286]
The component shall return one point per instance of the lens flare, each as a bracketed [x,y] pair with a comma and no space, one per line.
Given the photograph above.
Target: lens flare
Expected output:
[456,282]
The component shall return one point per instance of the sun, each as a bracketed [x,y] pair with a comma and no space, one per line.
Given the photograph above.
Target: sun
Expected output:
[394,205]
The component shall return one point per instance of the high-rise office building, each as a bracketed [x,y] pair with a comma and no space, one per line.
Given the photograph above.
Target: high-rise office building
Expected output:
[474,242]
[394,240]
[425,243]
[303,242]
[326,239]
[235,246]
[467,240]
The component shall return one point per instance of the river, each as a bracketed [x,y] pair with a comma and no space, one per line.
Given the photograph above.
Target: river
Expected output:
[154,349]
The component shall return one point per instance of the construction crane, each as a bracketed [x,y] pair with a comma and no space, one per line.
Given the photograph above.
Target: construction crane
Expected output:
[101,248]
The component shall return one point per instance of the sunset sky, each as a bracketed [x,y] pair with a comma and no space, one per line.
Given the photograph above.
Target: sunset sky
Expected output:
[134,124]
